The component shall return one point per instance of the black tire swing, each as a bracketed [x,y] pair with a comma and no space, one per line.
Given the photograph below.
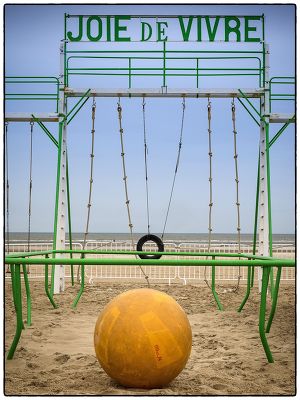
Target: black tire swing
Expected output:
[150,237]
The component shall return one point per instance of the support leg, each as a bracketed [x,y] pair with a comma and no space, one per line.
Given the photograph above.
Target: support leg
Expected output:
[271,283]
[252,276]
[52,279]
[249,275]
[213,285]
[49,295]
[262,313]
[274,300]
[18,303]
[81,286]
[28,295]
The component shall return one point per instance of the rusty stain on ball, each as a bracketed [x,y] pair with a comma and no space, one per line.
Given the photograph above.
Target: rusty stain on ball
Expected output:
[143,339]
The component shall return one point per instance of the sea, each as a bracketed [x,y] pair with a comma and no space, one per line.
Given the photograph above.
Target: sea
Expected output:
[278,238]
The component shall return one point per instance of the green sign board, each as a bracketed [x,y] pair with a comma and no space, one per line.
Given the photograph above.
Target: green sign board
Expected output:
[121,28]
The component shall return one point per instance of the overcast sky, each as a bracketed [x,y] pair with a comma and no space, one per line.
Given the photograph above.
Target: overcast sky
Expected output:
[32,38]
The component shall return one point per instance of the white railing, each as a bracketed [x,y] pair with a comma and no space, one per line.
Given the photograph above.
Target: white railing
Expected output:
[162,273]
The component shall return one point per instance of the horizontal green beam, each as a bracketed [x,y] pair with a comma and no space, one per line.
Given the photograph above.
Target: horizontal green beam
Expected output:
[107,74]
[135,261]
[130,252]
[160,51]
[161,69]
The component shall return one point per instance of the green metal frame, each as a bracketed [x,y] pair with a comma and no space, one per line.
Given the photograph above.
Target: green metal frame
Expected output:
[15,260]
[18,80]
[130,71]
[282,80]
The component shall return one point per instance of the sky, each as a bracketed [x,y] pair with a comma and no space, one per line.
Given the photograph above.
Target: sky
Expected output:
[32,39]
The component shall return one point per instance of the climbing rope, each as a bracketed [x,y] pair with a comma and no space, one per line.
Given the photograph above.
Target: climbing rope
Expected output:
[237,186]
[30,187]
[210,204]
[127,201]
[7,191]
[92,155]
[176,167]
[233,116]
[146,165]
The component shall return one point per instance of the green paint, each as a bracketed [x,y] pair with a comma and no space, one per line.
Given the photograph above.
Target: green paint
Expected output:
[89,34]
[28,296]
[229,29]
[247,291]
[81,283]
[145,37]
[213,287]
[18,303]
[262,314]
[49,295]
[249,29]
[80,31]
[274,300]
[120,28]
[161,31]
[185,31]
[212,30]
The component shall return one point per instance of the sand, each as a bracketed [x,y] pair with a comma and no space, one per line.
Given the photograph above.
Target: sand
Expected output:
[55,355]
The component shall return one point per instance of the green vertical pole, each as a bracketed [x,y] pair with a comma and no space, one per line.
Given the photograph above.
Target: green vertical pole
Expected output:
[50,297]
[164,63]
[69,218]
[61,124]
[129,72]
[249,274]
[66,79]
[18,303]
[81,284]
[262,313]
[213,286]
[255,219]
[263,46]
[12,275]
[197,67]
[269,207]
[274,300]
[28,296]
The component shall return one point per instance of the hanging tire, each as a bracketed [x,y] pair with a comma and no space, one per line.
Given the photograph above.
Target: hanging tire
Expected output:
[150,238]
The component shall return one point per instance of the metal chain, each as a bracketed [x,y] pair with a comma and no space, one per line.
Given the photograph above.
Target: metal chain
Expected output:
[92,155]
[146,165]
[210,154]
[127,201]
[176,167]
[30,187]
[237,186]
[7,191]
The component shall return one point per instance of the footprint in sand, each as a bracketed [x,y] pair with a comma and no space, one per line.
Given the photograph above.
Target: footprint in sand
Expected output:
[31,365]
[37,333]
[219,386]
[62,358]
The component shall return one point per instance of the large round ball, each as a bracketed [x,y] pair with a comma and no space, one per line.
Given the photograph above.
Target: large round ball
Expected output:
[143,338]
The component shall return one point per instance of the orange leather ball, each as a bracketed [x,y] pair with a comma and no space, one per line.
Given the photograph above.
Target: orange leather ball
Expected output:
[143,338]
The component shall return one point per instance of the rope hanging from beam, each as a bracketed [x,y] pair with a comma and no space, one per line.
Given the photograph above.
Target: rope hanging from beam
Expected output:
[127,201]
[210,179]
[89,204]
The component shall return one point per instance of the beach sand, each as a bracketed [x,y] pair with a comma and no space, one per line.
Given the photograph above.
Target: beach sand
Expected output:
[56,356]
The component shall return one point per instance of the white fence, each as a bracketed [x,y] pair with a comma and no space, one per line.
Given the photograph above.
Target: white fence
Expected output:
[155,273]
